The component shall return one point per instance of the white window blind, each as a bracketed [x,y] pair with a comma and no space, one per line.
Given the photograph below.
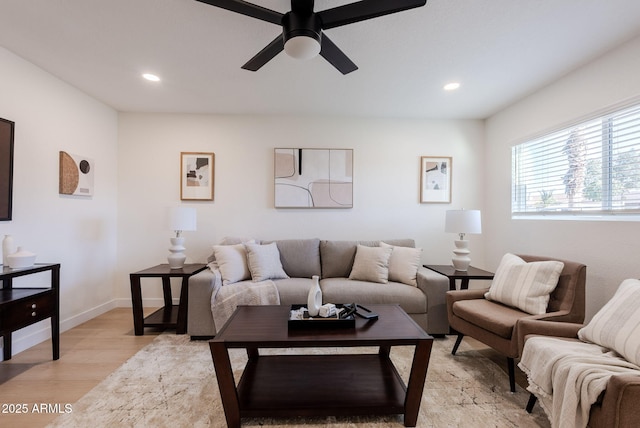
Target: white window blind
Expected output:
[592,167]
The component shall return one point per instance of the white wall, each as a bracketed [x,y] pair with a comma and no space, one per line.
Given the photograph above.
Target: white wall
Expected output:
[609,249]
[100,240]
[78,233]
[386,183]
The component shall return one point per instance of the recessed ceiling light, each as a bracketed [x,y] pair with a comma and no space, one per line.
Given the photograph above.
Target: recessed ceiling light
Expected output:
[151,77]
[451,86]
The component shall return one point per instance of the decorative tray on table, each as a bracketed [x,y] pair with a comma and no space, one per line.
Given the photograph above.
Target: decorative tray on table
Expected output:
[295,322]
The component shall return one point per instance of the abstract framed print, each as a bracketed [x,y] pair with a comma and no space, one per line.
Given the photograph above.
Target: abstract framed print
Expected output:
[313,178]
[435,180]
[196,176]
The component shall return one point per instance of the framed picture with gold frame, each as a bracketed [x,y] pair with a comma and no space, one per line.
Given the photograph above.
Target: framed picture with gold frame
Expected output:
[435,180]
[196,176]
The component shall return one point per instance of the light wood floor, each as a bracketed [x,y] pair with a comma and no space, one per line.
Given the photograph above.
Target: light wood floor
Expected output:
[88,354]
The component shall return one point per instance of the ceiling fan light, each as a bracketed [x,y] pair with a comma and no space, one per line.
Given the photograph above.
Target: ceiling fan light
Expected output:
[302,47]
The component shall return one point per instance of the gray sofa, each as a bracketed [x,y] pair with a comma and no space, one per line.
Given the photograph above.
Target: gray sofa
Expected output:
[332,261]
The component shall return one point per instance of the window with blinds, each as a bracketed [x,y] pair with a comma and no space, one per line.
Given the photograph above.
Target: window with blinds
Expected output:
[590,168]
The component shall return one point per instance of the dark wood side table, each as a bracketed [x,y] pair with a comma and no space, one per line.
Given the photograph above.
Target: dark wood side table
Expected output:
[170,316]
[23,306]
[464,277]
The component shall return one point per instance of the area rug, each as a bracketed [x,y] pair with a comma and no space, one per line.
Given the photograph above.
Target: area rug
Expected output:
[171,383]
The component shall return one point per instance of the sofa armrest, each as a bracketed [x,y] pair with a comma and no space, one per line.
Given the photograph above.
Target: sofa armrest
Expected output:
[199,317]
[529,326]
[434,286]
[619,404]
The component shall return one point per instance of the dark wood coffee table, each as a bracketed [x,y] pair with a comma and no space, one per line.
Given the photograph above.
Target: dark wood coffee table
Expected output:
[319,385]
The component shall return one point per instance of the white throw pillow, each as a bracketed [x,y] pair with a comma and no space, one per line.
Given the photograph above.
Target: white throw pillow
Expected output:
[617,325]
[403,264]
[264,262]
[230,240]
[232,263]
[371,264]
[523,285]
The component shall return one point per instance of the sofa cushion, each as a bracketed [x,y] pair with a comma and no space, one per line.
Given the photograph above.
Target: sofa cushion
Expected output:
[371,264]
[617,325]
[403,264]
[523,285]
[300,257]
[343,290]
[264,262]
[337,257]
[294,291]
[495,317]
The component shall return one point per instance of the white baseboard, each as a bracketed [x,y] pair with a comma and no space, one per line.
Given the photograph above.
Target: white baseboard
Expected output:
[32,335]
[37,333]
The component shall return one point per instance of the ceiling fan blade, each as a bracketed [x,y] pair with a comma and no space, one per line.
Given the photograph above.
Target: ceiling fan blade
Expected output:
[362,10]
[336,57]
[265,55]
[248,9]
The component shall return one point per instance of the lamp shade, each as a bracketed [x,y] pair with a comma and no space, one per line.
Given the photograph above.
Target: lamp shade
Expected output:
[463,221]
[182,218]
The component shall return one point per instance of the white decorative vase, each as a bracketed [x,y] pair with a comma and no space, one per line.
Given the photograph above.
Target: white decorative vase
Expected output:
[177,258]
[461,260]
[8,247]
[314,299]
[21,259]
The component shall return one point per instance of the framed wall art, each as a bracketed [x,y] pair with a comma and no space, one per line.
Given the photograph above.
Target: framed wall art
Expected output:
[435,179]
[313,178]
[196,176]
[76,175]
[6,168]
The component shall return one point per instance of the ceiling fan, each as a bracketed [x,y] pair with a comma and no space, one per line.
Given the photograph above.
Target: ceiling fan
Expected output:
[302,29]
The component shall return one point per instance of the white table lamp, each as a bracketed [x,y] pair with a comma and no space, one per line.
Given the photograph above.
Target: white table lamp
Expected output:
[180,219]
[462,222]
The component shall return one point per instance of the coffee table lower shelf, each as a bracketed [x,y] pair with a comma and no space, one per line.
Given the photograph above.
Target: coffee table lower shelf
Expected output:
[320,385]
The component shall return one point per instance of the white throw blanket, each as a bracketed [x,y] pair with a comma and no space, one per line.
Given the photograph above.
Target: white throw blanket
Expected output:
[568,376]
[225,299]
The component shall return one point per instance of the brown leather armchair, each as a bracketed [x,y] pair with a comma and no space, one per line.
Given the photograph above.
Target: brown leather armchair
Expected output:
[617,406]
[496,325]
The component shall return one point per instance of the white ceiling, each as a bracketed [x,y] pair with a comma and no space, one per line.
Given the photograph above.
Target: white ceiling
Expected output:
[500,50]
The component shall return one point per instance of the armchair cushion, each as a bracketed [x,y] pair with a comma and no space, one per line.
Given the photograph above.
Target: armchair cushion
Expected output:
[523,285]
[617,325]
[496,318]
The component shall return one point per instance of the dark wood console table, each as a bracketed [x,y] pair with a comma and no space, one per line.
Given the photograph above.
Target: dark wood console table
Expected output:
[170,316]
[23,306]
